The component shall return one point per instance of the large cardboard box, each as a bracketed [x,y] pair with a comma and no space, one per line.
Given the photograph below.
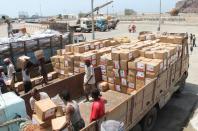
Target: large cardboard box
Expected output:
[111,80]
[115,55]
[124,65]
[36,120]
[132,64]
[19,86]
[117,81]
[103,86]
[111,86]
[149,54]
[116,73]
[126,55]
[45,109]
[39,54]
[118,88]
[124,82]
[21,61]
[116,64]
[58,123]
[123,73]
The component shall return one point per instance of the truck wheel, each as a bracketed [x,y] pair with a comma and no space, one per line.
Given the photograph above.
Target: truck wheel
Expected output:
[149,120]
[181,88]
[137,128]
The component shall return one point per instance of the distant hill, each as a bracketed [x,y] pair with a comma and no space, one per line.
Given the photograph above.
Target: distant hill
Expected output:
[187,6]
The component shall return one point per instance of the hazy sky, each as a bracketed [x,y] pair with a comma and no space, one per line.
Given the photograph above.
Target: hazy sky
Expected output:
[52,7]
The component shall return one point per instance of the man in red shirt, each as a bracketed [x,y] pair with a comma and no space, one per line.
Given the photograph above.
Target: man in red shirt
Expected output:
[98,105]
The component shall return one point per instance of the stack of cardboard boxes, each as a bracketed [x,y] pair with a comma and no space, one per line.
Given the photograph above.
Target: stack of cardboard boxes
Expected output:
[132,66]
[70,61]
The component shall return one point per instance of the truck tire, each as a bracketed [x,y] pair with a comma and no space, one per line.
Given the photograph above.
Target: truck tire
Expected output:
[149,120]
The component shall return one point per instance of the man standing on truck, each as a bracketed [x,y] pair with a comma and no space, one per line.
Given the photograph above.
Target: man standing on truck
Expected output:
[43,71]
[89,79]
[98,105]
[36,96]
[11,73]
[9,28]
[3,87]
[72,111]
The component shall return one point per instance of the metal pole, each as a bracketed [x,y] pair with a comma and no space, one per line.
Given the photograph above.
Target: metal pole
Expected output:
[92,15]
[160,12]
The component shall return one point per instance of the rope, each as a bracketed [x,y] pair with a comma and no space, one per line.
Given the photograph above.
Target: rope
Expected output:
[13,121]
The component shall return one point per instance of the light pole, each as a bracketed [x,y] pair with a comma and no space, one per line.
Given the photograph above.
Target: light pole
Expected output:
[92,15]
[160,12]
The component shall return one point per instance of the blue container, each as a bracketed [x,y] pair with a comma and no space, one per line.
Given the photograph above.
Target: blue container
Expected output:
[10,105]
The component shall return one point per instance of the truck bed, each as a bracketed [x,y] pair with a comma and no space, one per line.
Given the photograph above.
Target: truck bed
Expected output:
[113,99]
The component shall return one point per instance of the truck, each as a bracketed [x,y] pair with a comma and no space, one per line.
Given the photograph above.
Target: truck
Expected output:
[82,25]
[101,24]
[138,108]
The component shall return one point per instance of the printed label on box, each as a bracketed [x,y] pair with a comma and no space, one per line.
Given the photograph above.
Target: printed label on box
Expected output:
[123,73]
[118,88]
[116,72]
[92,46]
[140,75]
[49,113]
[131,85]
[150,68]
[124,82]
[140,66]
[116,64]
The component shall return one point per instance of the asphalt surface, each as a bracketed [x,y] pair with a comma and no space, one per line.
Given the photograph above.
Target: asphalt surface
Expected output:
[175,116]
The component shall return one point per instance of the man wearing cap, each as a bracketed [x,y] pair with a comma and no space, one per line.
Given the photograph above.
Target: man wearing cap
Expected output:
[3,87]
[11,72]
[89,79]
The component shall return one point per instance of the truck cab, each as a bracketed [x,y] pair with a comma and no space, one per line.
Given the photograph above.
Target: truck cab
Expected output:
[84,25]
[101,24]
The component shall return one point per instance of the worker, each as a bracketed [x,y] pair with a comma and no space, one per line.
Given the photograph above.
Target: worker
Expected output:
[72,112]
[191,38]
[89,79]
[9,26]
[11,73]
[26,76]
[194,41]
[98,105]
[42,71]
[36,96]
[3,87]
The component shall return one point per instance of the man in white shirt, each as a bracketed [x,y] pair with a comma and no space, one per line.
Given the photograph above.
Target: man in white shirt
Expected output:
[89,79]
[36,96]
[10,70]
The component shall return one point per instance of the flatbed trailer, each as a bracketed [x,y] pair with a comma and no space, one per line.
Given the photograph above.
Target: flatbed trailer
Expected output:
[140,107]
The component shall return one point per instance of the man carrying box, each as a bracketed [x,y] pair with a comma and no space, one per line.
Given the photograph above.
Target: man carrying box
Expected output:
[36,96]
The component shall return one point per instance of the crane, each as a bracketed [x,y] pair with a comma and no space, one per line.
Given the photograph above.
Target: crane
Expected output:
[98,8]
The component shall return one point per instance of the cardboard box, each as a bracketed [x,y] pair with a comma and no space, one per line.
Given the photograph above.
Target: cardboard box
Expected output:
[45,109]
[116,73]
[160,54]
[132,64]
[132,85]
[140,79]
[115,55]
[124,82]
[153,67]
[124,65]
[111,86]
[141,66]
[19,86]
[124,89]
[68,48]
[117,81]
[103,86]
[149,54]
[123,73]
[39,54]
[36,120]
[118,88]
[21,61]
[79,49]
[116,64]
[52,75]
[110,80]
[126,55]
[132,73]
[58,123]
